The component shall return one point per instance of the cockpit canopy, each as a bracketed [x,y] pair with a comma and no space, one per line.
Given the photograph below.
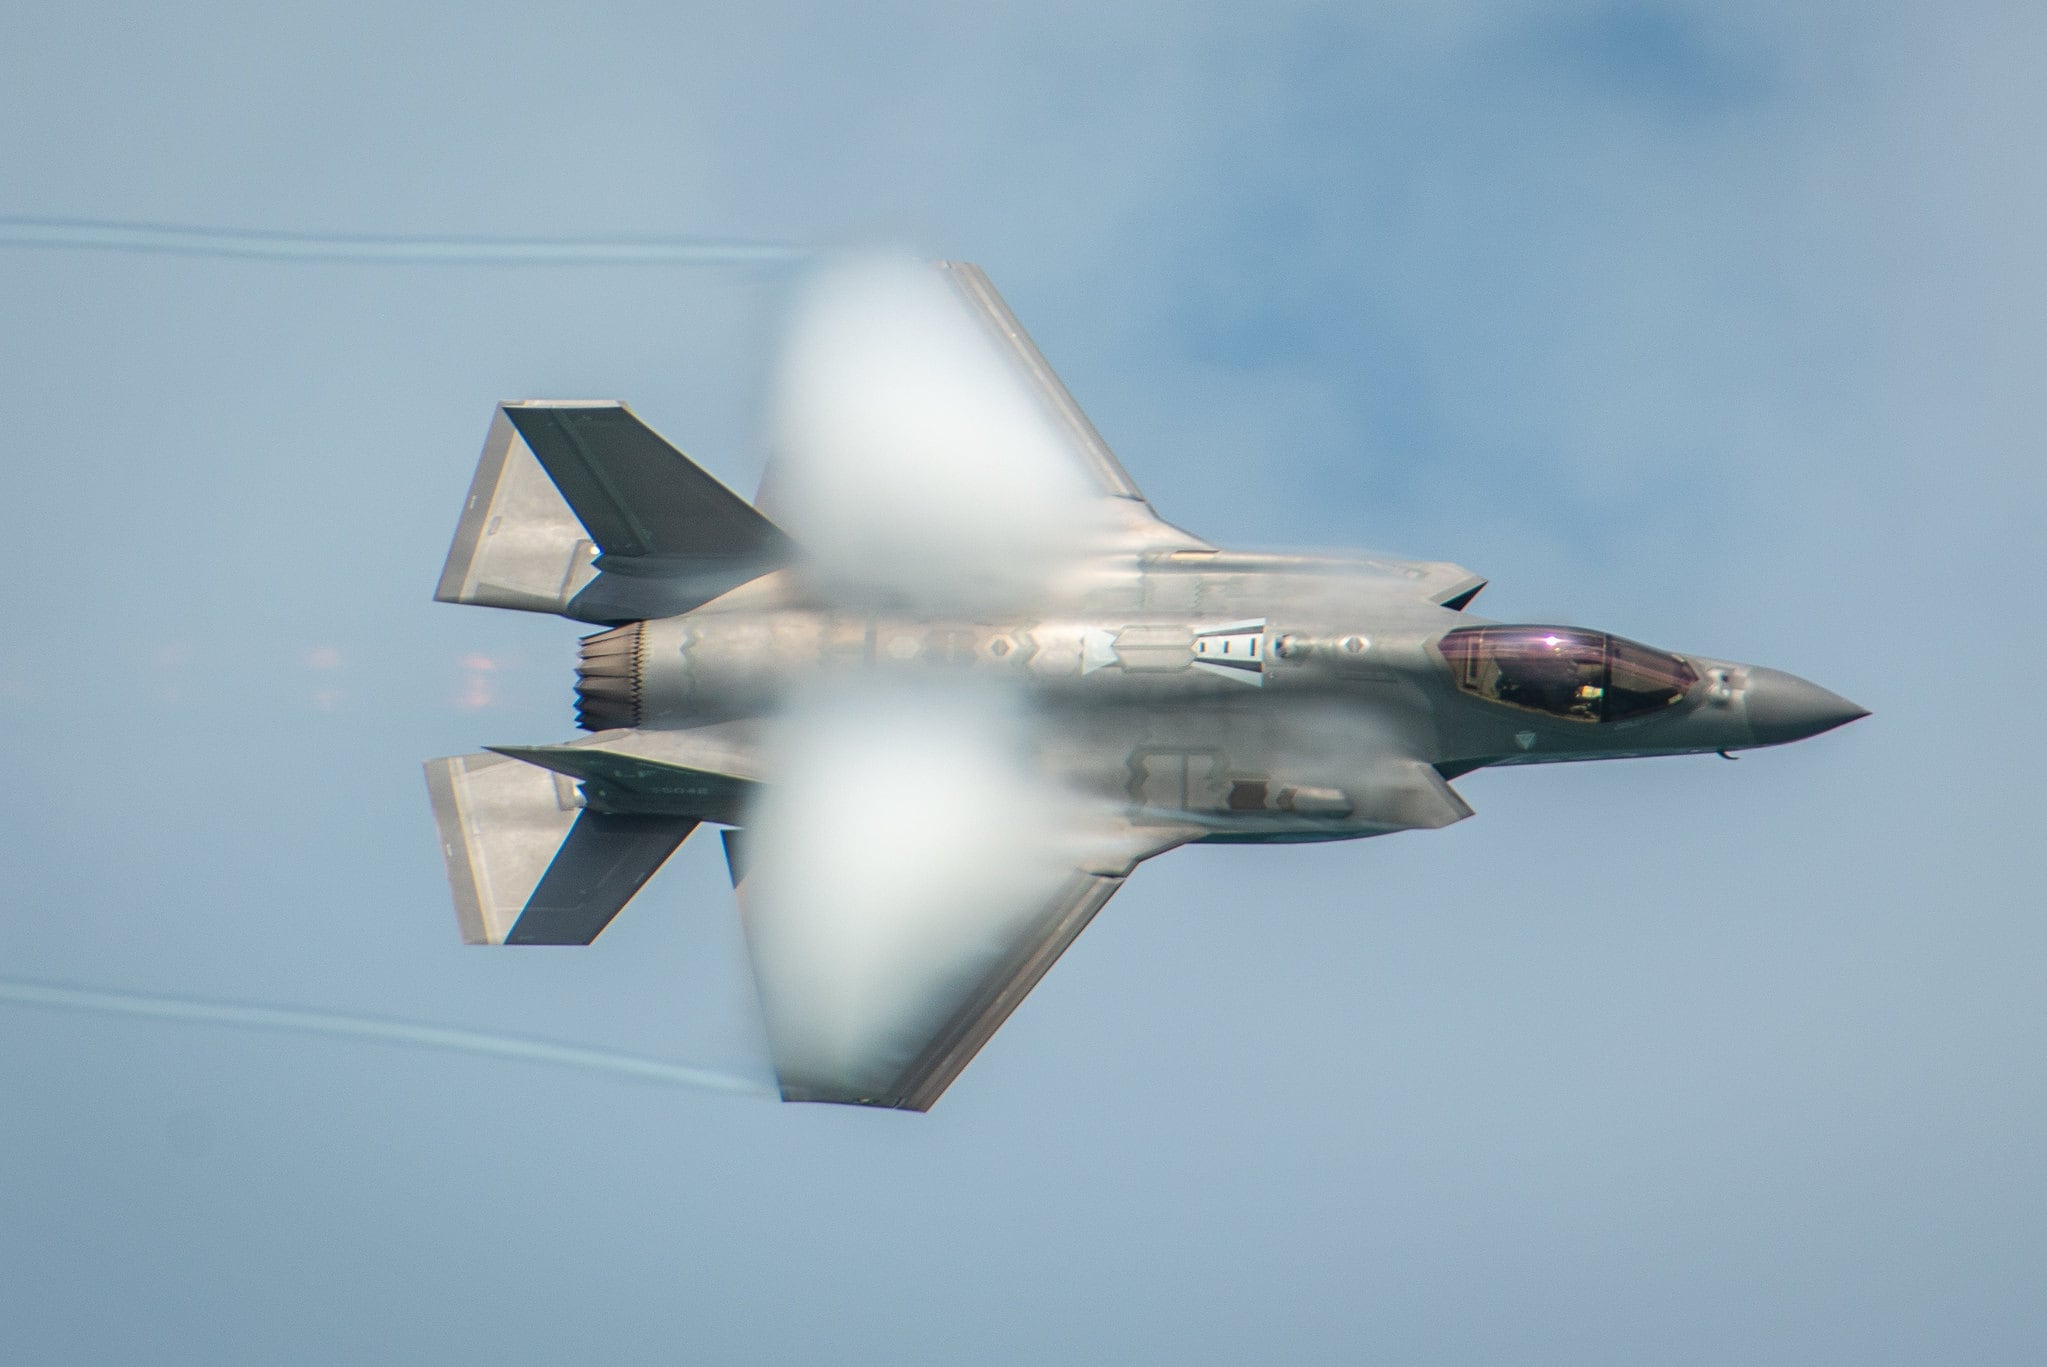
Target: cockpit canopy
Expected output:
[1584,676]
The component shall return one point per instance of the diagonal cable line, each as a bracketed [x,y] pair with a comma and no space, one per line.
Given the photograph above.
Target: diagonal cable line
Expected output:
[292,1019]
[86,234]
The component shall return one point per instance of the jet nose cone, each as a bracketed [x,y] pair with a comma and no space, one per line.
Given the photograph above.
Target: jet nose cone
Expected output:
[1783,707]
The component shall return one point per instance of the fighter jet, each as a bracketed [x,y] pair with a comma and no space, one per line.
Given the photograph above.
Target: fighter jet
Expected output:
[951,678]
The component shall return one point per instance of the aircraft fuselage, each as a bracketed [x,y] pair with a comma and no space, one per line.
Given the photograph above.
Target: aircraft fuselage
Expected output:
[1258,698]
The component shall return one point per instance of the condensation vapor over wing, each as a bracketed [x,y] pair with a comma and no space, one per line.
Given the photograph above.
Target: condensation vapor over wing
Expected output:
[892,867]
[912,853]
[910,462]
[183,240]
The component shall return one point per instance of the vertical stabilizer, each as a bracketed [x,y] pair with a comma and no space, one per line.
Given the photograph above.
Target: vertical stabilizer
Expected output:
[518,545]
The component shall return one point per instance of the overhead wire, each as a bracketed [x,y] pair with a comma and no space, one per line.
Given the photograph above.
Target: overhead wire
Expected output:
[243,1016]
[170,239]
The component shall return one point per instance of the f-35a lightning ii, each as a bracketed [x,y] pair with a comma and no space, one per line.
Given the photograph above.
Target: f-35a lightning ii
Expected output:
[945,705]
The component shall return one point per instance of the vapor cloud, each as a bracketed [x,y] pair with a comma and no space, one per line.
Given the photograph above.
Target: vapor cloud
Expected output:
[911,463]
[908,837]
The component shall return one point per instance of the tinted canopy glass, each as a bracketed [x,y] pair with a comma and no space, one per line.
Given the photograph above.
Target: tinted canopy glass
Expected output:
[1585,676]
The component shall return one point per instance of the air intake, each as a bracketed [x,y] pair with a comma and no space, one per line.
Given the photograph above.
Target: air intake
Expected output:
[608,680]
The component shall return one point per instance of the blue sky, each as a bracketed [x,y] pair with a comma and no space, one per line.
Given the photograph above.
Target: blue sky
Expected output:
[1719,326]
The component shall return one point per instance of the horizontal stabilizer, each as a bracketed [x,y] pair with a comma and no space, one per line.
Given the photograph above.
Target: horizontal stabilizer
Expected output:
[638,496]
[606,859]
[579,508]
[526,863]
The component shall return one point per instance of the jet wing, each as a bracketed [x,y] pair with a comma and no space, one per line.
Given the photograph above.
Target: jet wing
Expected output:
[914,399]
[1090,453]
[888,1016]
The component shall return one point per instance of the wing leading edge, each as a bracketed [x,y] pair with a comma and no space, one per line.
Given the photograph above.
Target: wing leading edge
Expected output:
[1104,472]
[967,297]
[895,1030]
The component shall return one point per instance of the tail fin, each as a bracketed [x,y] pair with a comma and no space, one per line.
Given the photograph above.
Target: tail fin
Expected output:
[579,508]
[527,866]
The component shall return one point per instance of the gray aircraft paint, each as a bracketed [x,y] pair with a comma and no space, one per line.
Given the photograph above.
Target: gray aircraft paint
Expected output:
[1175,692]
